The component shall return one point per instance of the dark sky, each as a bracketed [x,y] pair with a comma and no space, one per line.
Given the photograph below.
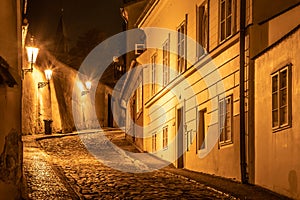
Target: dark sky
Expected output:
[79,17]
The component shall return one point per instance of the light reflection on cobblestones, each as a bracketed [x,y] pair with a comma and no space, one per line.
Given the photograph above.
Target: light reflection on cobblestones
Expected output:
[91,179]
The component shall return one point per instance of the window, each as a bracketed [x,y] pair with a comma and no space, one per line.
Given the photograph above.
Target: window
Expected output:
[202,29]
[139,100]
[201,133]
[281,113]
[166,62]
[225,120]
[181,47]
[226,19]
[154,142]
[165,137]
[153,67]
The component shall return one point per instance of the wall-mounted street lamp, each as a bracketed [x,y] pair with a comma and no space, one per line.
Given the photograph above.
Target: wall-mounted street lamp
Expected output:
[88,86]
[48,74]
[32,53]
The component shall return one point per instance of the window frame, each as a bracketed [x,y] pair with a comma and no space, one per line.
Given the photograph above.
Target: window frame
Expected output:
[181,47]
[153,73]
[279,92]
[154,142]
[198,145]
[202,23]
[166,61]
[223,141]
[139,98]
[165,137]
[232,15]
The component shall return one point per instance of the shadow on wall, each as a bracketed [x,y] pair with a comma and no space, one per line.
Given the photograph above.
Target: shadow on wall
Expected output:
[63,90]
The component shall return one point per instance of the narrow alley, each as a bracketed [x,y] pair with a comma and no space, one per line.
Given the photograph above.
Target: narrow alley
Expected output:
[61,167]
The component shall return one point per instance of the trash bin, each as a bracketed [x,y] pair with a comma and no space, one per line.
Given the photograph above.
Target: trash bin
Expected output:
[48,127]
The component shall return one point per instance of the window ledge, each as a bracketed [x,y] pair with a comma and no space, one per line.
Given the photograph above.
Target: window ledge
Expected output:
[281,128]
[225,144]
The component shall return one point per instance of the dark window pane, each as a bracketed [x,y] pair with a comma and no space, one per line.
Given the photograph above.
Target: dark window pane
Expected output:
[228,134]
[229,7]
[275,100]
[274,83]
[283,115]
[222,10]
[228,27]
[275,118]
[201,133]
[283,97]
[283,79]
[223,31]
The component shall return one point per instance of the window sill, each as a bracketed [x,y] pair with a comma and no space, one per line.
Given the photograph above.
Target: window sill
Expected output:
[225,144]
[281,128]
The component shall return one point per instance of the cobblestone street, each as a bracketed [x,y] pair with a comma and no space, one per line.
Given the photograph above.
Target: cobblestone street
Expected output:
[62,167]
[68,171]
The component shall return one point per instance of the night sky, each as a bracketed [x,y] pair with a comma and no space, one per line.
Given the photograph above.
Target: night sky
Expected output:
[79,17]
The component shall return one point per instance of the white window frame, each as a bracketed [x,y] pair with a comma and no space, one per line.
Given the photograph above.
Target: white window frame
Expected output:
[154,142]
[200,145]
[229,17]
[139,98]
[202,29]
[277,95]
[153,73]
[181,47]
[166,61]
[225,112]
[165,137]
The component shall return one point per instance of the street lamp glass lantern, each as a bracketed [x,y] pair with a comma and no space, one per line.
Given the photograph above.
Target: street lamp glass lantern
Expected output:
[48,74]
[32,53]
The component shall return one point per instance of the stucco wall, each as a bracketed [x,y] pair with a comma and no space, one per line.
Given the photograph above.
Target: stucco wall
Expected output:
[161,109]
[67,105]
[277,162]
[10,103]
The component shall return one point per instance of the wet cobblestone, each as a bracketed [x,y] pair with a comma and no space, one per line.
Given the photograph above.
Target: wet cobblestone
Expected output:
[91,179]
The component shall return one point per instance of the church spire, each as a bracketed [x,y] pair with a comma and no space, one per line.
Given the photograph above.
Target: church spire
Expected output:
[61,41]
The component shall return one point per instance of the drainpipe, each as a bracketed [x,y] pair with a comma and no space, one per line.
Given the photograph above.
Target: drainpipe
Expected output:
[243,163]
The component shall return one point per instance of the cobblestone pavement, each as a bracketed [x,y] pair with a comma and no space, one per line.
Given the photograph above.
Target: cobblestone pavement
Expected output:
[41,180]
[82,176]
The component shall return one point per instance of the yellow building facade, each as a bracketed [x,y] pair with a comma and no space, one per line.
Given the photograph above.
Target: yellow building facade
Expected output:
[190,110]
[277,131]
[182,110]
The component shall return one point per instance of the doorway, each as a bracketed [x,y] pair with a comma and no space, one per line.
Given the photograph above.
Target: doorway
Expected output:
[110,118]
[180,147]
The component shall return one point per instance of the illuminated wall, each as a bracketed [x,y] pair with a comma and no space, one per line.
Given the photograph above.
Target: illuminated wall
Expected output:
[10,102]
[62,100]
[161,108]
[277,149]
